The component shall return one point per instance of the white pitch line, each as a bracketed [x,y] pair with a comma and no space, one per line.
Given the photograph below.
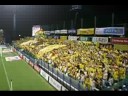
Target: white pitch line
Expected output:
[5,71]
[11,88]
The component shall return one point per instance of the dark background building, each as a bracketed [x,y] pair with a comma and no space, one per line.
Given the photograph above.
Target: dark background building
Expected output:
[28,15]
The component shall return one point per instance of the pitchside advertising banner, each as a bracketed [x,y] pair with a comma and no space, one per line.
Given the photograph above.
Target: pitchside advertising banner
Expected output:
[31,63]
[119,40]
[88,31]
[100,39]
[6,50]
[110,31]
[52,81]
[20,54]
[44,74]
[27,60]
[13,58]
[37,68]
[35,29]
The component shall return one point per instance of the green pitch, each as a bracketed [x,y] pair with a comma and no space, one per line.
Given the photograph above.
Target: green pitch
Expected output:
[23,76]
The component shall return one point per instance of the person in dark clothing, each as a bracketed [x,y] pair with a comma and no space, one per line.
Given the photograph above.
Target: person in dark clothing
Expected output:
[109,75]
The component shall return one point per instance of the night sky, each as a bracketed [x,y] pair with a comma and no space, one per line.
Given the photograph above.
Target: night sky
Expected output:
[29,15]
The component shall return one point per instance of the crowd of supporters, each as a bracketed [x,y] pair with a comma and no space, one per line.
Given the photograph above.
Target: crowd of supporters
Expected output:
[95,67]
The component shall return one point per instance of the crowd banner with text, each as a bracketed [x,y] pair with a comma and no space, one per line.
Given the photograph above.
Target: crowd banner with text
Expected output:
[63,37]
[52,32]
[47,32]
[110,31]
[119,40]
[73,37]
[100,39]
[63,31]
[72,31]
[121,47]
[106,45]
[83,38]
[57,31]
[85,31]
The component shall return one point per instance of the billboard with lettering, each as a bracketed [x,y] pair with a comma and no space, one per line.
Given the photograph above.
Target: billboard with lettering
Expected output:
[119,40]
[64,31]
[72,31]
[100,39]
[85,31]
[73,37]
[110,31]
[57,32]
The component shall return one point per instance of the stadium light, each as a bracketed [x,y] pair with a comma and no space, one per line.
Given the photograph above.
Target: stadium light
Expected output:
[1,30]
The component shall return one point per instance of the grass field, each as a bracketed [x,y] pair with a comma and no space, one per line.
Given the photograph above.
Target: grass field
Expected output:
[23,76]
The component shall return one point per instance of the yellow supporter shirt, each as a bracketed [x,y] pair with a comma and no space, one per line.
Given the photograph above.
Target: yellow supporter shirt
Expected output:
[87,83]
[122,73]
[105,60]
[81,66]
[69,64]
[115,75]
[100,75]
[90,69]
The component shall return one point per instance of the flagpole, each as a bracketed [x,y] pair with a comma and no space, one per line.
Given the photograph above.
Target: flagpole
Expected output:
[75,21]
[95,24]
[112,19]
[64,25]
[82,22]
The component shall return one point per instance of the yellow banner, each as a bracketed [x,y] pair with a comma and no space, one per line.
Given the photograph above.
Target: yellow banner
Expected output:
[88,31]
[63,37]
[121,47]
